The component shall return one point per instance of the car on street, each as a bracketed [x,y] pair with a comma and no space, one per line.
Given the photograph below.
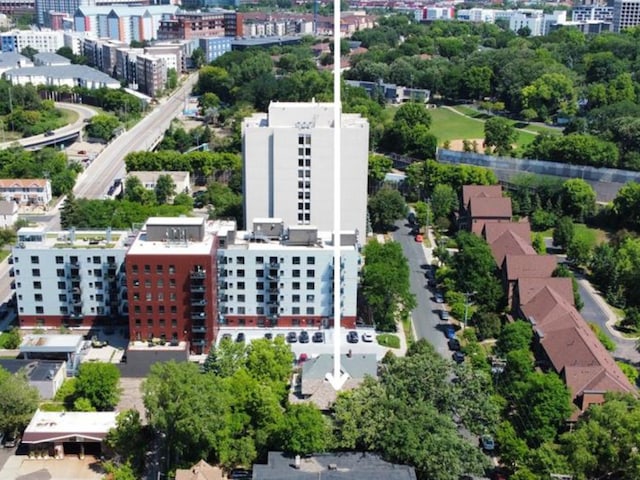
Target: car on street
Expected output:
[268,335]
[487,443]
[367,337]
[241,337]
[318,337]
[352,337]
[438,297]
[411,218]
[50,133]
[292,337]
[226,336]
[458,357]
[240,474]
[303,358]
[444,315]
[304,337]
[449,331]
[419,238]
[454,344]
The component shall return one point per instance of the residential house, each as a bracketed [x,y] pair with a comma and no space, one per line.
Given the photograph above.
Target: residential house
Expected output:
[485,207]
[150,179]
[46,376]
[26,191]
[513,238]
[200,471]
[515,267]
[345,465]
[8,213]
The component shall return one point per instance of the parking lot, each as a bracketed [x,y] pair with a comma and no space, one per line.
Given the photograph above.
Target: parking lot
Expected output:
[311,348]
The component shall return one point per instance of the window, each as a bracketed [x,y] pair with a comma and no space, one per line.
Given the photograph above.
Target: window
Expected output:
[240,260]
[259,298]
[260,310]
[311,286]
[241,273]
[161,297]
[64,310]
[149,309]
[97,260]
[295,298]
[259,273]
[37,285]
[310,310]
[136,296]
[147,269]
[99,297]
[172,283]
[259,285]
[99,285]
[240,285]
[174,309]
[40,310]
[136,283]
[62,297]
[137,322]
[35,259]
[295,286]
[60,272]
[295,310]
[160,283]
[161,322]
[136,309]
[172,297]
[311,273]
[241,311]
[59,260]
[147,296]
[161,309]
[97,272]
[296,260]
[311,298]
[159,271]
[134,269]
[172,269]
[147,283]
[174,324]
[149,322]
[62,285]
[37,297]
[295,273]
[259,260]
[241,298]
[35,272]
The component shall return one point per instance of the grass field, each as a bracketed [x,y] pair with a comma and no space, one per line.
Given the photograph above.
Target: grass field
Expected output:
[70,116]
[448,125]
[594,236]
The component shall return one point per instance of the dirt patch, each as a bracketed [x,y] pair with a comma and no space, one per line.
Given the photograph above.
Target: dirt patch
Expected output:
[457,145]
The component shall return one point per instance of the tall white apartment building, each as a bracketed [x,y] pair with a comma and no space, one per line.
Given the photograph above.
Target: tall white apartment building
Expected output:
[288,166]
[626,14]
[69,278]
[44,40]
[275,275]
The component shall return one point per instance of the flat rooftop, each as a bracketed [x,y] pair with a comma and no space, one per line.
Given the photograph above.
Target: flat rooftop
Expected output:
[142,246]
[51,343]
[49,426]
[37,237]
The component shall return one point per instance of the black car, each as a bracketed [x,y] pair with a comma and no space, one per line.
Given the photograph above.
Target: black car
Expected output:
[268,335]
[50,133]
[318,337]
[240,338]
[240,474]
[454,344]
[292,337]
[304,337]
[352,337]
[458,357]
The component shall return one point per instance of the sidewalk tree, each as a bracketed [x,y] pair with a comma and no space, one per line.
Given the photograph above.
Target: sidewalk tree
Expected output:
[444,201]
[423,214]
[18,401]
[98,383]
[385,207]
[102,126]
[304,430]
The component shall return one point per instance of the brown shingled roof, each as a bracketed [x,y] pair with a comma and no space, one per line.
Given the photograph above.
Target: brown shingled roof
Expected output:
[494,230]
[533,266]
[509,243]
[486,191]
[528,288]
[492,207]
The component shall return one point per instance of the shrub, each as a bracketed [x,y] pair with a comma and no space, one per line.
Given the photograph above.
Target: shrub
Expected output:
[604,339]
[388,340]
[630,371]
[542,220]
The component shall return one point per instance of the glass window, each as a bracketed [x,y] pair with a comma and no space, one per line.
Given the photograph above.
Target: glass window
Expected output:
[37,285]
[35,272]
[311,273]
[35,259]
[59,259]
[60,272]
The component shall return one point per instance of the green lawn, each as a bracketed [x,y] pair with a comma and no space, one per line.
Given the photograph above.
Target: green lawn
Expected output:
[594,236]
[448,125]
[71,116]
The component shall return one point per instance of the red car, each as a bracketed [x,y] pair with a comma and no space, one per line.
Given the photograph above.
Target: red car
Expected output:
[419,238]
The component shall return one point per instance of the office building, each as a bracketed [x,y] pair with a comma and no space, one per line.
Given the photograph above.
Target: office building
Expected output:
[288,166]
[626,14]
[70,278]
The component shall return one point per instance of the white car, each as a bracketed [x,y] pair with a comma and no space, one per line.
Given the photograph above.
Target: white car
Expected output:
[367,337]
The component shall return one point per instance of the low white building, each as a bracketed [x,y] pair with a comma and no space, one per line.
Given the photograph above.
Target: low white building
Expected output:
[69,75]
[9,61]
[8,213]
[149,180]
[26,191]
[48,59]
[59,347]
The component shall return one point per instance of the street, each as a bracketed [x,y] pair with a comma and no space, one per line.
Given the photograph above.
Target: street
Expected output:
[425,316]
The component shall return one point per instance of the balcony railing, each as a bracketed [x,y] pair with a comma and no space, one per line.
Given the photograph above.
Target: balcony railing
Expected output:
[198,274]
[199,329]
[198,288]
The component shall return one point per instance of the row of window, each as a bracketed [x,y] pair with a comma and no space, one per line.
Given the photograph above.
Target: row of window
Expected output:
[272,260]
[261,286]
[261,311]
[159,269]
[161,309]
[261,273]
[64,310]
[35,260]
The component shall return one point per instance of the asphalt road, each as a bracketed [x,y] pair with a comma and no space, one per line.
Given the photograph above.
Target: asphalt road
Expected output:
[425,317]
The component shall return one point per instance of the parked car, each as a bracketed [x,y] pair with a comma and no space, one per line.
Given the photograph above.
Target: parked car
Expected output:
[95,343]
[318,337]
[438,297]
[419,238]
[444,315]
[458,357]
[487,443]
[352,337]
[241,337]
[268,335]
[226,336]
[454,344]
[11,440]
[304,337]
[367,337]
[292,337]
[240,474]
[449,331]
[50,133]
[82,152]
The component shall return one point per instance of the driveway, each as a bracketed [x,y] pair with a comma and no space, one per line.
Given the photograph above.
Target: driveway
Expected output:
[426,322]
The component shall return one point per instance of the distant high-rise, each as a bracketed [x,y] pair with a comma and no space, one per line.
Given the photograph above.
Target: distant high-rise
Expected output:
[288,166]
[626,14]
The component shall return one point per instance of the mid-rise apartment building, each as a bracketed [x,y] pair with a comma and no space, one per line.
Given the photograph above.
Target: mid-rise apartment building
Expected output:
[70,278]
[626,14]
[17,7]
[214,47]
[151,74]
[42,40]
[172,282]
[187,25]
[288,163]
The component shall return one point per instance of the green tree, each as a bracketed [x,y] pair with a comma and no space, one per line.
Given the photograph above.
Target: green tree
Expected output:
[135,192]
[165,189]
[98,383]
[549,94]
[379,166]
[444,201]
[564,272]
[385,207]
[304,430]
[514,336]
[564,232]
[11,339]
[626,205]
[580,250]
[198,57]
[128,439]
[269,362]
[423,214]
[500,134]
[226,358]
[578,199]
[29,52]
[172,78]
[413,114]
[488,324]
[18,401]
[102,126]
[538,243]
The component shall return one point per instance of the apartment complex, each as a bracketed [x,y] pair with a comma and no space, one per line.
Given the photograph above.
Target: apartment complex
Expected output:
[288,166]
[17,7]
[626,14]
[186,25]
[563,342]
[42,40]
[70,278]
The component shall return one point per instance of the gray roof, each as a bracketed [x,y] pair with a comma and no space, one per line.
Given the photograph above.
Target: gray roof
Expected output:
[259,41]
[65,71]
[125,10]
[348,466]
[7,207]
[50,57]
[37,370]
[12,58]
[356,365]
